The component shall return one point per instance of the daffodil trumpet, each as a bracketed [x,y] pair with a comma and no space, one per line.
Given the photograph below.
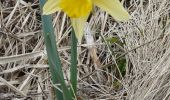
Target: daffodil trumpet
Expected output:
[79,10]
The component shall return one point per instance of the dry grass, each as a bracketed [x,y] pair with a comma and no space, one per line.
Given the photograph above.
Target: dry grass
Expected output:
[23,62]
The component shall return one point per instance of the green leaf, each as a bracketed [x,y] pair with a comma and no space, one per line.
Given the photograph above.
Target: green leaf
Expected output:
[112,39]
[122,65]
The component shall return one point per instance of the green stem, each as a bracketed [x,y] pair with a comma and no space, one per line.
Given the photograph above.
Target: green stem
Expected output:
[73,69]
[53,57]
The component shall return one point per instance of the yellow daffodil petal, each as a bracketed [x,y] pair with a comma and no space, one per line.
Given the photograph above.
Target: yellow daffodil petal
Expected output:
[76,8]
[114,8]
[78,26]
[51,6]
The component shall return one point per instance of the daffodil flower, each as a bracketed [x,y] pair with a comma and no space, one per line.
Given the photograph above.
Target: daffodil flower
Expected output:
[79,10]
